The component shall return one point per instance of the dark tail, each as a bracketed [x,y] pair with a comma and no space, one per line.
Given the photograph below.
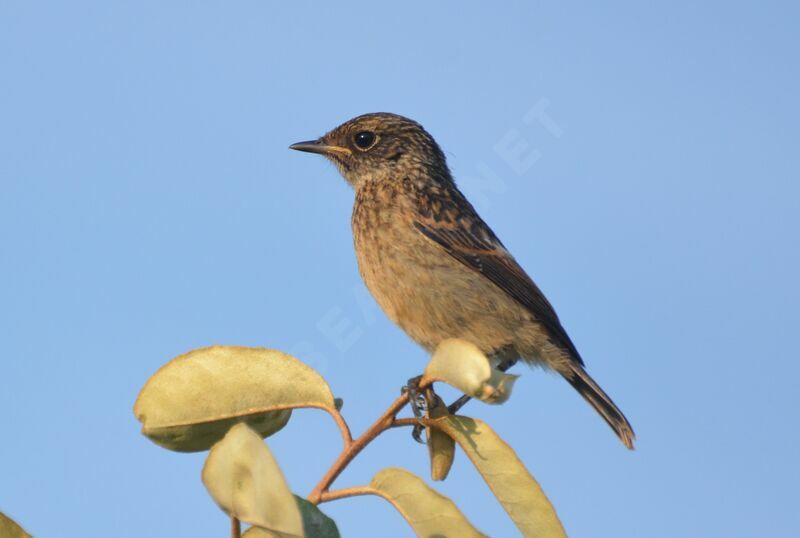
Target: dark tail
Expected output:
[601,402]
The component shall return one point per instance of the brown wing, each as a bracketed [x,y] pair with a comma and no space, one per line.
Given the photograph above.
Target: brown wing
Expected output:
[470,241]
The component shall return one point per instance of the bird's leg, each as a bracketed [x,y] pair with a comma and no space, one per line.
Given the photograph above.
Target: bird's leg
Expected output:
[419,402]
[416,433]
[415,398]
[458,404]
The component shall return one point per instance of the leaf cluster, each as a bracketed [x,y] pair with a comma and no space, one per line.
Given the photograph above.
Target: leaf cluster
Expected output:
[228,399]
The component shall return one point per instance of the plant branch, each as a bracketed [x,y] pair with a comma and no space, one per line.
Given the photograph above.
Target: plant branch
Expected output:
[347,437]
[351,450]
[413,421]
[236,528]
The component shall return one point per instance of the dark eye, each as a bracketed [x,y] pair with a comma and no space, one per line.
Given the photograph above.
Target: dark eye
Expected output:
[365,140]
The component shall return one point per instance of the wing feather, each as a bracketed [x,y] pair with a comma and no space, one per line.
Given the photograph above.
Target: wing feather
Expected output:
[470,241]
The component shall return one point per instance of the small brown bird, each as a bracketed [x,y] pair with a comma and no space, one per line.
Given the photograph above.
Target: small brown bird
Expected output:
[434,266]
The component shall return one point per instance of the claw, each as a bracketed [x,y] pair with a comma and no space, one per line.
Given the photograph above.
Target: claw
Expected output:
[416,434]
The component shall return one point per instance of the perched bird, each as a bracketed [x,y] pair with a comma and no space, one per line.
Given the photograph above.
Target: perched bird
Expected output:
[434,266]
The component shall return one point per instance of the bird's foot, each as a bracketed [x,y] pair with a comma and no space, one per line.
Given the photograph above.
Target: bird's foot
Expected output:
[418,401]
[458,404]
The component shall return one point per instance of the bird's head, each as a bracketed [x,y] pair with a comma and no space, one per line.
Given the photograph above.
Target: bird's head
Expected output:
[379,147]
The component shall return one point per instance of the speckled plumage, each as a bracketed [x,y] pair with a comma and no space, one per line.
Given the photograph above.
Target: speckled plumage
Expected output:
[434,266]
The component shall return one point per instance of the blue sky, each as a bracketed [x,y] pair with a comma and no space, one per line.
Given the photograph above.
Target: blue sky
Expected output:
[149,205]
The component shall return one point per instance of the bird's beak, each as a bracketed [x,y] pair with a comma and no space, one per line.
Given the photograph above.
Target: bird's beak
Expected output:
[318,146]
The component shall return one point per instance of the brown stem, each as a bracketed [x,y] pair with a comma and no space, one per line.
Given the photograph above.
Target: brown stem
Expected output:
[352,449]
[347,437]
[413,421]
[236,528]
[347,492]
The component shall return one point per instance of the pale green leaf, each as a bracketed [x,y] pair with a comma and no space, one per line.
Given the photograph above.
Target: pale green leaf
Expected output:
[512,484]
[244,479]
[430,514]
[10,528]
[192,401]
[462,365]
[315,523]
[441,447]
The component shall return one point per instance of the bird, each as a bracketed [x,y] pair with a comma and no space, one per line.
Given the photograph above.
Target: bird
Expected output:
[434,266]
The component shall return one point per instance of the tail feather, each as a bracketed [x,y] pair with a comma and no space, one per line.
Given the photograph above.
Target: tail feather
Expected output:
[602,403]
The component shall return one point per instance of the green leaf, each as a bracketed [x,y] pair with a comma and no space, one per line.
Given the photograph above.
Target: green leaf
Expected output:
[244,479]
[441,447]
[10,529]
[315,523]
[430,514]
[461,364]
[193,400]
[512,484]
